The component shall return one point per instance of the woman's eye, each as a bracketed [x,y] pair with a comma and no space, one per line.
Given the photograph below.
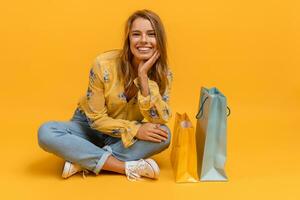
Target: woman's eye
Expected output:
[152,34]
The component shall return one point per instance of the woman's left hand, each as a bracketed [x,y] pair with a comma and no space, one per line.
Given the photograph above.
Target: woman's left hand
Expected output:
[144,67]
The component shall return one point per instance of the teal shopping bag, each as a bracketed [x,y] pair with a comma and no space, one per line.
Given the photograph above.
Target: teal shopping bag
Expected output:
[211,135]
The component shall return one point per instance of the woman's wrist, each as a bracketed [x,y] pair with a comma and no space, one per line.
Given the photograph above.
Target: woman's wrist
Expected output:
[142,75]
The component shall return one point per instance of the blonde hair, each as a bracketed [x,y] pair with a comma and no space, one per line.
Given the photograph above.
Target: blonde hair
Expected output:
[158,72]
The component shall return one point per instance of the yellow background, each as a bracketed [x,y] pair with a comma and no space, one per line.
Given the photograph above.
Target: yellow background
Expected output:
[248,49]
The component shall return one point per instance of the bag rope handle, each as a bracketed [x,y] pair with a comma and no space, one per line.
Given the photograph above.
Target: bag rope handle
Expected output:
[201,109]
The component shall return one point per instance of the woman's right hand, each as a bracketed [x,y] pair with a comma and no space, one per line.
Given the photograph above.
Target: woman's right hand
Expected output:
[152,132]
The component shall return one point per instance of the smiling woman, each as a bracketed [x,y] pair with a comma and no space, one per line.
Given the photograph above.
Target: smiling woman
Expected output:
[120,122]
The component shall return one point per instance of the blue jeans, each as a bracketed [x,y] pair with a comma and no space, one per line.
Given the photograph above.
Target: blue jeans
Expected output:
[76,142]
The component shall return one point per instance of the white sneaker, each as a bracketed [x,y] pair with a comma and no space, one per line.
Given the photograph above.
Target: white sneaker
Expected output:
[71,169]
[147,168]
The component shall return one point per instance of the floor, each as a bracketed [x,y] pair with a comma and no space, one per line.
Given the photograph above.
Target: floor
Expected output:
[263,163]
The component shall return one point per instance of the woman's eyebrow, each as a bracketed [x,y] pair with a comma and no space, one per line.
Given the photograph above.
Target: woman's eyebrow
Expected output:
[141,31]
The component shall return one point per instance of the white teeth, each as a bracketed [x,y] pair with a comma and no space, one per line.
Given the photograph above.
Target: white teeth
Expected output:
[143,48]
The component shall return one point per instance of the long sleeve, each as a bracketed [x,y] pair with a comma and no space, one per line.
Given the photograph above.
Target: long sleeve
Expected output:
[96,111]
[154,107]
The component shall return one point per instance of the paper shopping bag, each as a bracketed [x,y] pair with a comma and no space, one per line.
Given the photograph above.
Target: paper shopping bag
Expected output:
[211,135]
[183,151]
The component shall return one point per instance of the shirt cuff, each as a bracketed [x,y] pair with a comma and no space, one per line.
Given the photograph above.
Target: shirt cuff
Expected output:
[128,138]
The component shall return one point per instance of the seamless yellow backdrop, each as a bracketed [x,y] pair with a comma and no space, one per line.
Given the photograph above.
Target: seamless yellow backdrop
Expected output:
[248,49]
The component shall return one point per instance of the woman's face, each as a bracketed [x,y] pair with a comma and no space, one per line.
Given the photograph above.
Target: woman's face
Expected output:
[142,39]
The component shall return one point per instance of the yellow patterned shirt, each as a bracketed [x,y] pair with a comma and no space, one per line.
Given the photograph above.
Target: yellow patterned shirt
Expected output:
[106,107]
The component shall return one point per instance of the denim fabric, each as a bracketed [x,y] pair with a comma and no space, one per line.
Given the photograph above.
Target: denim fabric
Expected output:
[76,142]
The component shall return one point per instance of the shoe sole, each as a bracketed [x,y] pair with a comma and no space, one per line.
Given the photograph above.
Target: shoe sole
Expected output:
[66,170]
[154,166]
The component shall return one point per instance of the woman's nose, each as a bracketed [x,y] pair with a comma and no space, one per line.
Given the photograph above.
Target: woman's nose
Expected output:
[144,38]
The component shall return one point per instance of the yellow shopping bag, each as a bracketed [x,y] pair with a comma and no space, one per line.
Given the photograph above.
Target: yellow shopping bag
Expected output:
[183,151]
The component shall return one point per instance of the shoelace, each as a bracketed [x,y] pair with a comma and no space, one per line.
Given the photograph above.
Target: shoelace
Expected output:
[84,172]
[132,173]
